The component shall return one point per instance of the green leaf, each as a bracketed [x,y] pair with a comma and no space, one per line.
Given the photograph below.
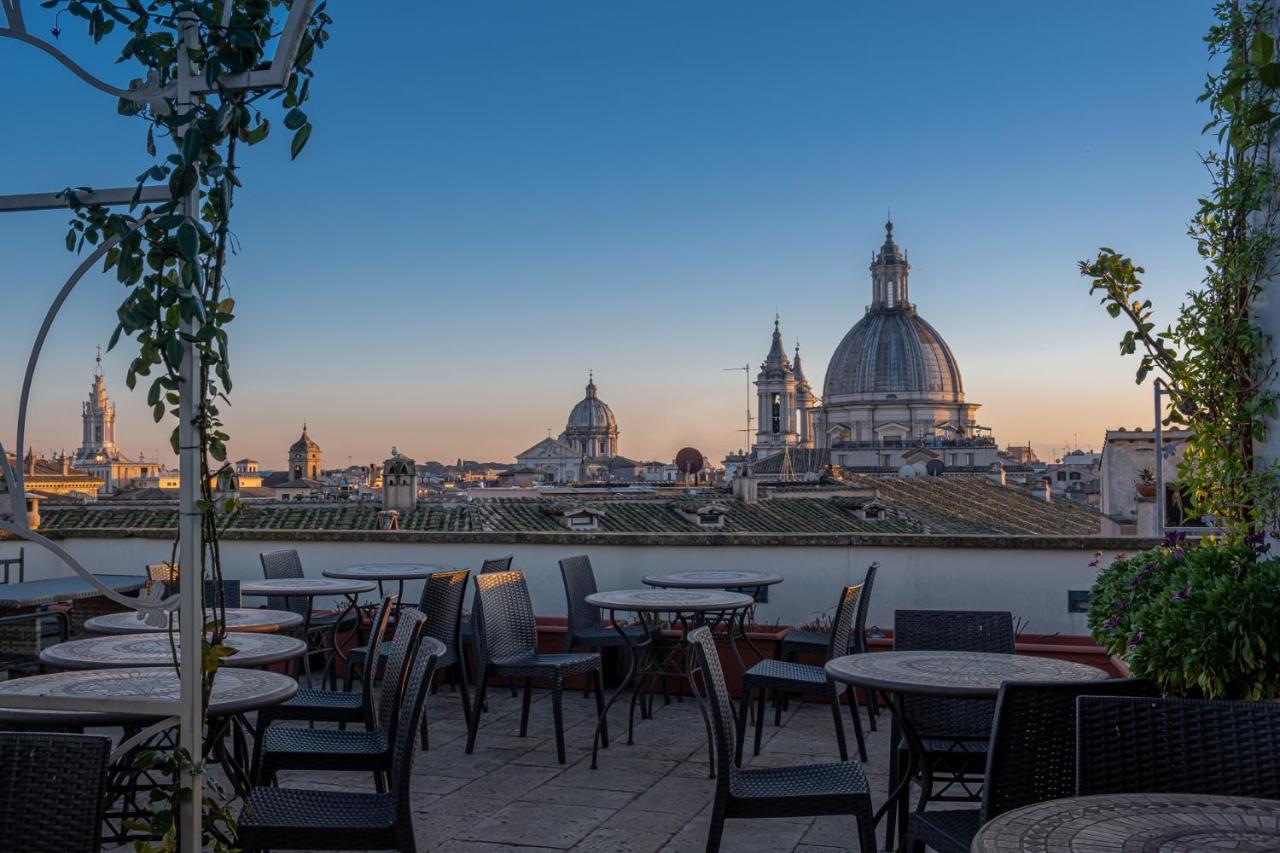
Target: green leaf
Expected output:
[188,240]
[299,141]
[1262,49]
[295,119]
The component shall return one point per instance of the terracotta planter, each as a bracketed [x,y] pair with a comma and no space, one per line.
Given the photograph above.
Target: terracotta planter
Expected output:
[1120,666]
[1146,490]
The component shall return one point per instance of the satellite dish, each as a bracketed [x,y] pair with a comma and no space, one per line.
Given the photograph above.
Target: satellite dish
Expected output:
[934,467]
[689,460]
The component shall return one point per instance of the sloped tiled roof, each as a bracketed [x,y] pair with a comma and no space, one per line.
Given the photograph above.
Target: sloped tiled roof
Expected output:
[918,506]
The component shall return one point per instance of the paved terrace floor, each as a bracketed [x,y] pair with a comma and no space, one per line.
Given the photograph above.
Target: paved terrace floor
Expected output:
[511,796]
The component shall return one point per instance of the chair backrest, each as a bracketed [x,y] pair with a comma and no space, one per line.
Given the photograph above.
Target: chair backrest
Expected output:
[51,791]
[716,693]
[226,595]
[284,564]
[377,636]
[1178,746]
[497,564]
[955,631]
[842,623]
[164,573]
[19,562]
[858,635]
[506,629]
[579,582]
[1032,757]
[441,601]
[404,645]
[404,743]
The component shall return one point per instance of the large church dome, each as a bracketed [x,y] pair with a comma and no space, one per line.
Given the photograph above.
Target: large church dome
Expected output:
[892,353]
[591,413]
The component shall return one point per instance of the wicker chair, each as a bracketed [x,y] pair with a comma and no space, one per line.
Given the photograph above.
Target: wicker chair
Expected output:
[1178,746]
[767,792]
[782,676]
[507,636]
[467,630]
[53,791]
[329,706]
[796,643]
[584,628]
[441,601]
[955,732]
[230,593]
[314,819]
[165,573]
[296,748]
[287,564]
[1032,758]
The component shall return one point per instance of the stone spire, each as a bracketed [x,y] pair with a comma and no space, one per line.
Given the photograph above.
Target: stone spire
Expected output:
[776,360]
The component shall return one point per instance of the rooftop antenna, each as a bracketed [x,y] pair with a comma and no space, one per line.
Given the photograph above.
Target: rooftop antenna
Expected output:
[746,431]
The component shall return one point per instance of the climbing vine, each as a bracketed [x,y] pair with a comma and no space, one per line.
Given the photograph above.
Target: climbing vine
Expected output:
[1216,361]
[172,260]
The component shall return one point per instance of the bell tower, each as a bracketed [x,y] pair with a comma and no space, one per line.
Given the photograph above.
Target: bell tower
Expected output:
[98,417]
[777,415]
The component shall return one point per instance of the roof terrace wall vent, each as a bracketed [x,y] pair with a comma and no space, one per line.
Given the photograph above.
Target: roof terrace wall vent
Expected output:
[582,519]
[707,516]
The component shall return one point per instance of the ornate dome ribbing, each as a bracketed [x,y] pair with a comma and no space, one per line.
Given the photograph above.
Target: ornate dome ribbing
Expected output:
[892,351]
[591,413]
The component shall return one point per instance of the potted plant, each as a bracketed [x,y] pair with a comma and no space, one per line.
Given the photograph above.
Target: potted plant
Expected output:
[1145,484]
[1199,621]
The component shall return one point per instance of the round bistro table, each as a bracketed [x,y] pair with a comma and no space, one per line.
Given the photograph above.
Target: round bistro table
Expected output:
[753,584]
[1142,823]
[382,572]
[235,692]
[952,675]
[688,607]
[310,588]
[240,620]
[132,650]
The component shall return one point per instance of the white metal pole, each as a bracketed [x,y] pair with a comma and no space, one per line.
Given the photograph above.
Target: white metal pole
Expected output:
[190,530]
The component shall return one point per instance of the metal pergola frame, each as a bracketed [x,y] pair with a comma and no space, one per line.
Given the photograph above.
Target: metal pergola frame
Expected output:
[188,712]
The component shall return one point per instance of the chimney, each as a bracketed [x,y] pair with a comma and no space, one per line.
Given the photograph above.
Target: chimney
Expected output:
[33,512]
[1048,492]
[31,462]
[66,464]
[745,489]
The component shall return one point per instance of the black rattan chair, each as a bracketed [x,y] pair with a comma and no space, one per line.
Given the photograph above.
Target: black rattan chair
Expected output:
[1178,746]
[287,564]
[467,630]
[1032,758]
[52,791]
[584,627]
[296,748]
[955,732]
[784,676]
[314,819]
[441,601]
[765,792]
[796,643]
[230,590]
[507,645]
[330,706]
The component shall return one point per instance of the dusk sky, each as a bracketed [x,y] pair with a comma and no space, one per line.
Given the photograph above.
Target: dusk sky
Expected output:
[499,197]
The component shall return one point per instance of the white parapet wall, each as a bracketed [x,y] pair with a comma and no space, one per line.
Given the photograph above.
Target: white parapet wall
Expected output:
[1031,582]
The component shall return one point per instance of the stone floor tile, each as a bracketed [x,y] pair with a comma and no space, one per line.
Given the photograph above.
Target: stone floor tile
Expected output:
[621,841]
[676,794]
[544,824]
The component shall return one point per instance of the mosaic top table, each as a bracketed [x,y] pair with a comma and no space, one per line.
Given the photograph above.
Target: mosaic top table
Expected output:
[688,608]
[714,580]
[310,588]
[1149,823]
[133,650]
[381,572]
[234,691]
[240,620]
[956,675]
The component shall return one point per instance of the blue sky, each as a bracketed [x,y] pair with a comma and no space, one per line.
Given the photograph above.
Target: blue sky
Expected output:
[500,196]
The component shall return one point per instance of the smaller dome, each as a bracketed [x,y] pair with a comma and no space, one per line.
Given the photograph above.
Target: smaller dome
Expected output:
[591,413]
[304,443]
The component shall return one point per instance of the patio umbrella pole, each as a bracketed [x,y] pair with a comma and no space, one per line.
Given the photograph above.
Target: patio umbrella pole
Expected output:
[190,527]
